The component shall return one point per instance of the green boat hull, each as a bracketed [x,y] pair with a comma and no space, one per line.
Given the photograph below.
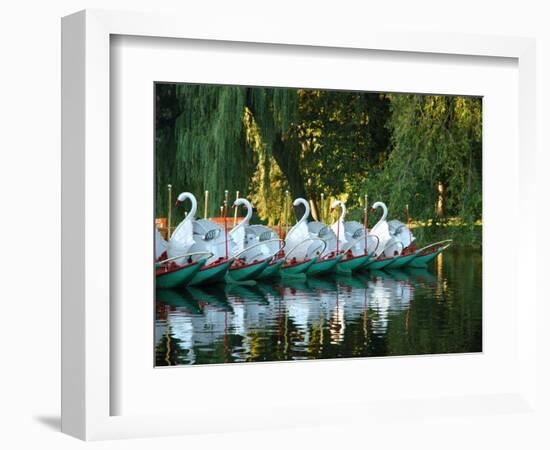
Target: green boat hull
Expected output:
[423,260]
[400,261]
[349,265]
[324,266]
[179,277]
[245,273]
[380,264]
[211,274]
[272,270]
[179,298]
[297,269]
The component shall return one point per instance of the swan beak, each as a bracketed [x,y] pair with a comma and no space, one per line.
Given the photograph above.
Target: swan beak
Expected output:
[178,202]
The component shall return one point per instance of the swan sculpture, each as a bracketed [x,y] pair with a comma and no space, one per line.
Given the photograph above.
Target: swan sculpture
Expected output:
[252,255]
[254,241]
[353,237]
[301,248]
[401,232]
[261,240]
[203,239]
[329,258]
[181,239]
[381,230]
[182,262]
[351,240]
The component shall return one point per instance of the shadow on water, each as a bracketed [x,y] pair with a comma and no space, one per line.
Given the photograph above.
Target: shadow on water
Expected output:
[373,313]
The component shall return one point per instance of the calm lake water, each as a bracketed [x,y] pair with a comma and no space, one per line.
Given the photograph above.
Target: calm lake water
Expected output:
[375,313]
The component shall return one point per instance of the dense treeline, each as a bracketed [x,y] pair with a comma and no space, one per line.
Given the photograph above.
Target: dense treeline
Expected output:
[420,150]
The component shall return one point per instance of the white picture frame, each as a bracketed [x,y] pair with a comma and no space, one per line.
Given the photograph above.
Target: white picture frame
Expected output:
[87,328]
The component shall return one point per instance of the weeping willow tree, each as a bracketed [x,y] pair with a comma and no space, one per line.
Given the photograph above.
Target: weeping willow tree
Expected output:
[201,144]
[420,150]
[435,163]
[216,138]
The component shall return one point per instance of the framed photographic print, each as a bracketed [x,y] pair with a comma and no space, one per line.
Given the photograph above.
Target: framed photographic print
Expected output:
[254,284]
[280,216]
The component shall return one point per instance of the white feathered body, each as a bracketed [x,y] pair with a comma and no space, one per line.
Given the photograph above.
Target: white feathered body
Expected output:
[401,232]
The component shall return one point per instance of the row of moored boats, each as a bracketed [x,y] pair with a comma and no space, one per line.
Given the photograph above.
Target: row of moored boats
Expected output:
[200,251]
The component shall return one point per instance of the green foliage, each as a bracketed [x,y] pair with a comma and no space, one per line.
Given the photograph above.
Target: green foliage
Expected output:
[420,150]
[436,141]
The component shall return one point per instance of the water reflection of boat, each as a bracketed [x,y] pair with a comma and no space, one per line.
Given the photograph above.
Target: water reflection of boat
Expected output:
[355,282]
[269,291]
[320,284]
[387,295]
[178,298]
[212,295]
[245,293]
[301,316]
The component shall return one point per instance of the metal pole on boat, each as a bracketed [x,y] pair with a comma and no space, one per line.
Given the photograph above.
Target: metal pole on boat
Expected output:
[286,211]
[206,204]
[225,223]
[236,210]
[408,222]
[169,219]
[365,221]
[322,215]
[338,236]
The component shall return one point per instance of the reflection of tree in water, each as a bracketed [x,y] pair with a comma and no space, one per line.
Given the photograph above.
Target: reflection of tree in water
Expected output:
[170,351]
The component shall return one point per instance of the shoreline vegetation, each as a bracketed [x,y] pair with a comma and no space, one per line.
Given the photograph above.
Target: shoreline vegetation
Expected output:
[464,235]
[272,145]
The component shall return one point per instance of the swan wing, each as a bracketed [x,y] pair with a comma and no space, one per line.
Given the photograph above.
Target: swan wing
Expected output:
[393,247]
[405,236]
[160,244]
[267,235]
[264,233]
[212,237]
[181,240]
[322,231]
[293,242]
[354,228]
[238,236]
[394,226]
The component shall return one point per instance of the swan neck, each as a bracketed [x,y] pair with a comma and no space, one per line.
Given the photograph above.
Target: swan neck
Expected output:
[247,218]
[343,213]
[306,211]
[385,211]
[191,214]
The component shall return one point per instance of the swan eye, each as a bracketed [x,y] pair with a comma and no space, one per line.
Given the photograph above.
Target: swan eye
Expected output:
[358,233]
[212,234]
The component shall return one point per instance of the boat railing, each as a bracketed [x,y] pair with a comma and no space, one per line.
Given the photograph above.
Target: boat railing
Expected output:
[323,242]
[185,255]
[383,256]
[257,244]
[361,239]
[445,243]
